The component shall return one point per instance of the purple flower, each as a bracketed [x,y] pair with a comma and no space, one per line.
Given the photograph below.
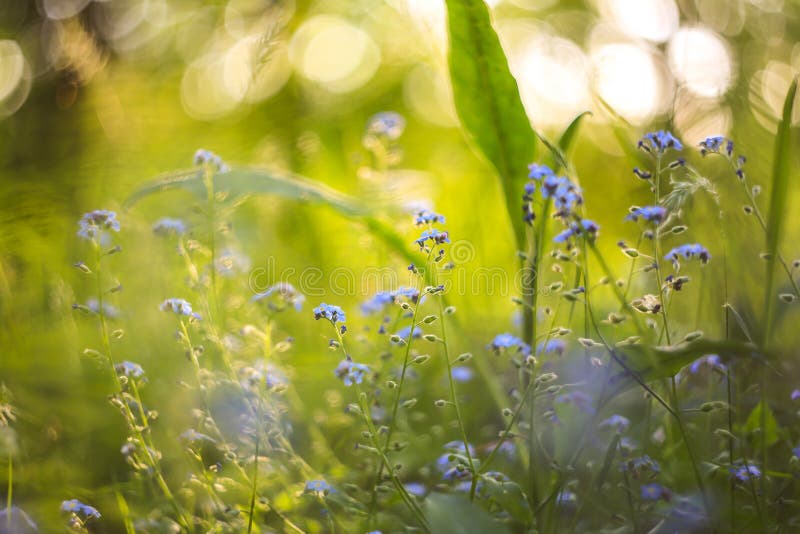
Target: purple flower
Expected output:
[688,252]
[711,361]
[795,394]
[416,488]
[94,222]
[659,142]
[654,492]
[655,214]
[744,473]
[351,373]
[617,422]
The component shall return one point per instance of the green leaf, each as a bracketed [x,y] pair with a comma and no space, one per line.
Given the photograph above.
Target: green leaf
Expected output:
[608,461]
[243,182]
[509,496]
[487,101]
[454,514]
[781,171]
[560,152]
[770,429]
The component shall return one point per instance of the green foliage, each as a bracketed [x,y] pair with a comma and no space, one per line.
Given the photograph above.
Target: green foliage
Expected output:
[454,514]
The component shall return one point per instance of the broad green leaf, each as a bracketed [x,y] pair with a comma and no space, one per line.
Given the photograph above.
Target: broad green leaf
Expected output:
[770,429]
[779,196]
[244,182]
[454,514]
[487,101]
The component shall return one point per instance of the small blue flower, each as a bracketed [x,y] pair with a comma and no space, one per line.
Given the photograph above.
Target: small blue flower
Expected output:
[169,226]
[285,292]
[427,217]
[388,124]
[74,506]
[462,373]
[551,346]
[617,422]
[639,464]
[538,171]
[205,157]
[193,436]
[507,342]
[644,175]
[332,313]
[433,235]
[795,395]
[416,488]
[404,332]
[688,252]
[566,498]
[659,142]
[351,373]
[94,222]
[655,214]
[317,486]
[712,361]
[109,310]
[796,452]
[586,227]
[578,398]
[129,369]
[713,145]
[654,492]
[180,307]
[744,473]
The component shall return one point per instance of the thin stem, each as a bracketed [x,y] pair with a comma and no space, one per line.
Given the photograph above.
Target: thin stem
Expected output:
[9,491]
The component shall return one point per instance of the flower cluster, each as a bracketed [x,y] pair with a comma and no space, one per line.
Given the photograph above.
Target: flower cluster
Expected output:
[745,472]
[94,222]
[351,373]
[427,218]
[437,237]
[129,369]
[74,506]
[688,252]
[659,142]
[180,307]
[509,342]
[714,144]
[654,214]
[332,313]
[384,298]
[205,157]
[584,227]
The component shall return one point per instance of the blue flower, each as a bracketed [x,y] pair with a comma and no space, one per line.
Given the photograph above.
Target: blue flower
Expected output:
[351,373]
[94,222]
[659,142]
[655,214]
[538,171]
[654,492]
[386,124]
[318,486]
[508,341]
[286,292]
[180,307]
[169,226]
[404,332]
[713,145]
[744,473]
[383,298]
[205,157]
[462,373]
[433,235]
[566,497]
[74,506]
[551,346]
[642,463]
[585,227]
[617,422]
[796,452]
[129,369]
[109,310]
[193,436]
[795,395]
[427,217]
[332,313]
[688,252]
[644,175]
[416,488]
[711,361]
[578,398]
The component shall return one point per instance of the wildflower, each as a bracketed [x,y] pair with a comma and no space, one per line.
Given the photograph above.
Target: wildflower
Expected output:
[637,465]
[551,346]
[169,226]
[644,175]
[585,227]
[383,298]
[203,157]
[744,473]
[74,506]
[713,145]
[129,369]
[566,497]
[617,422]
[655,214]
[538,171]
[462,373]
[416,488]
[180,307]
[231,262]
[427,217]
[350,372]
[509,341]
[109,310]
[659,142]
[688,251]
[654,492]
[436,236]
[404,333]
[317,486]
[712,361]
[579,399]
[386,124]
[285,292]
[332,313]
[94,222]
[796,452]
[795,395]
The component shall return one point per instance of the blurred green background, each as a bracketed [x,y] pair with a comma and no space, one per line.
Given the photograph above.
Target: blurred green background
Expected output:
[97,97]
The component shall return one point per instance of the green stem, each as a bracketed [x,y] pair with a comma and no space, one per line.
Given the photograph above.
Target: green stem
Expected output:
[10,491]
